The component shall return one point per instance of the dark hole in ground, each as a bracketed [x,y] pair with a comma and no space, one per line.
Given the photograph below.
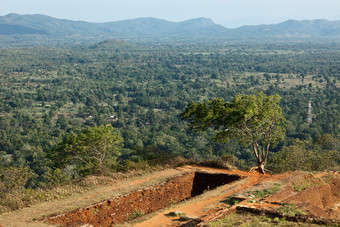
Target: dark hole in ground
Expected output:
[144,201]
[208,181]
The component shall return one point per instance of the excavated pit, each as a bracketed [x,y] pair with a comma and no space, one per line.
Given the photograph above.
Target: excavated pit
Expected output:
[144,201]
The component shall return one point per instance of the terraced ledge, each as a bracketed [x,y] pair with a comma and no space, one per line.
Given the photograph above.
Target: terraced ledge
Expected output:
[144,201]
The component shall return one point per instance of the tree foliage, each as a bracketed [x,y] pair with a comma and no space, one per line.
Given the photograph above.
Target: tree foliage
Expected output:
[302,155]
[91,151]
[256,120]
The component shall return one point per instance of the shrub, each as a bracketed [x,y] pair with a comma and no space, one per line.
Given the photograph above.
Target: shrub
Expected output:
[302,156]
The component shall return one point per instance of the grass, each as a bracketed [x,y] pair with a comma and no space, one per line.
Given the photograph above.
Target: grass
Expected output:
[232,201]
[290,210]
[250,220]
[328,178]
[225,162]
[123,183]
[306,181]
[257,194]
[267,191]
[17,200]
[136,214]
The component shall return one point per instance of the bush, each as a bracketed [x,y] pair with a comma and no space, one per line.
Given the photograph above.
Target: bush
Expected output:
[303,156]
[226,162]
[13,179]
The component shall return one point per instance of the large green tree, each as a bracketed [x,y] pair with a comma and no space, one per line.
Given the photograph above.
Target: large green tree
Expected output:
[256,120]
[91,151]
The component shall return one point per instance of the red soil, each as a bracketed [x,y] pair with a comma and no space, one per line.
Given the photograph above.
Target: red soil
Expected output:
[318,201]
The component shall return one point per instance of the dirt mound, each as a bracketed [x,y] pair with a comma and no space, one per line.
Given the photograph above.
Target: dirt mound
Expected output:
[319,201]
[315,199]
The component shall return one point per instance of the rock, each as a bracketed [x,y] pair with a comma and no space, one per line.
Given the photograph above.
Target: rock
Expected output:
[188,217]
[176,213]
[242,206]
[239,197]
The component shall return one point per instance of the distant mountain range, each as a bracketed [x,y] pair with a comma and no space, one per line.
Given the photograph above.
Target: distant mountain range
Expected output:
[45,27]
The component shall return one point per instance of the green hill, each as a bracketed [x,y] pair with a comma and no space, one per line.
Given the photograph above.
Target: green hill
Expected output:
[153,29]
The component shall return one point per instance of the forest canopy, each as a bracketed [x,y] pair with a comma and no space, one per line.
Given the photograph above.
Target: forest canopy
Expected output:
[50,93]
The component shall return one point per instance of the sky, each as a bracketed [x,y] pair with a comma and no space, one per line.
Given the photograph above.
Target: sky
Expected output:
[229,13]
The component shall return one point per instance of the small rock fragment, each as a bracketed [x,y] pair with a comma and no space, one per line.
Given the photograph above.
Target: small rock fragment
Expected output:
[176,213]
[243,206]
[188,217]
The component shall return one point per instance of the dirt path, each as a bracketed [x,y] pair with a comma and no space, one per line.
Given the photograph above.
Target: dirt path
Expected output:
[210,200]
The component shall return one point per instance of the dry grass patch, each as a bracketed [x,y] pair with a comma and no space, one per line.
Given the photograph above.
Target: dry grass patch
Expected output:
[303,182]
[250,220]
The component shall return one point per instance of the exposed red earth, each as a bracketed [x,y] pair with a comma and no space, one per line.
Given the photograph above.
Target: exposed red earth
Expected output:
[199,192]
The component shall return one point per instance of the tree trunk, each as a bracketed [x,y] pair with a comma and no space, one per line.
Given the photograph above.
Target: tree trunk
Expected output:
[261,167]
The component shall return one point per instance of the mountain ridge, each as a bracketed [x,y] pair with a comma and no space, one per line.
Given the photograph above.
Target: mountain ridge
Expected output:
[150,28]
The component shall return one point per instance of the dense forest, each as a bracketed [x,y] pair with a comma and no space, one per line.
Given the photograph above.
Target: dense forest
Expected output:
[49,93]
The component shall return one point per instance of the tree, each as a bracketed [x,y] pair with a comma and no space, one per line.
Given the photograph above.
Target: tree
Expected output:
[326,141]
[305,156]
[256,120]
[91,151]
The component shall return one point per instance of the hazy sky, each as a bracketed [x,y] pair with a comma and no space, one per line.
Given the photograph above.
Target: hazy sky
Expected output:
[229,13]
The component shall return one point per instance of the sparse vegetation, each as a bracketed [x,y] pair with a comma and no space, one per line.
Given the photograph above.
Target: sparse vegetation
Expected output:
[18,200]
[15,196]
[290,210]
[136,214]
[232,201]
[225,162]
[306,181]
[250,220]
[267,191]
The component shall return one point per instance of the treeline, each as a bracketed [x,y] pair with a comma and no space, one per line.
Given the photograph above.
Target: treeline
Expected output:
[49,93]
